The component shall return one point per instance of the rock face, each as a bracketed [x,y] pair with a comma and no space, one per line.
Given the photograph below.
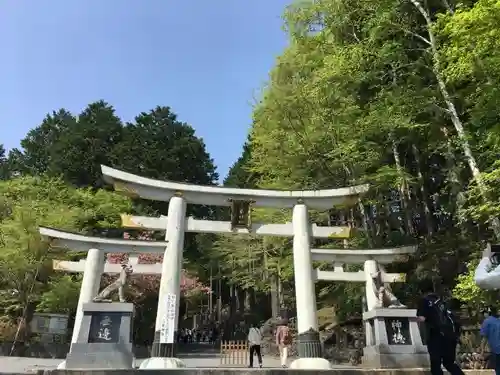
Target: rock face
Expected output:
[475,361]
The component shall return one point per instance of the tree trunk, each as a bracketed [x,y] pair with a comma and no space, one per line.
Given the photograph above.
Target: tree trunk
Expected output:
[366,225]
[242,295]
[281,296]
[219,297]
[275,305]
[452,111]
[403,188]
[281,300]
[429,220]
[29,308]
[232,300]
[210,297]
[455,184]
[247,304]
[382,219]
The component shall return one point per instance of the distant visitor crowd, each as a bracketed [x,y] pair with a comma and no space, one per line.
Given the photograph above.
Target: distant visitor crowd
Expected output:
[189,336]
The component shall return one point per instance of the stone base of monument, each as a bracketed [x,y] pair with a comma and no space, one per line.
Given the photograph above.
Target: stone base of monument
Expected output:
[310,352]
[311,364]
[393,340]
[163,355]
[105,338]
[161,363]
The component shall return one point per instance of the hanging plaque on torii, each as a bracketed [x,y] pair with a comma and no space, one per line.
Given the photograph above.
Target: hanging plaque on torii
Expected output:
[241,214]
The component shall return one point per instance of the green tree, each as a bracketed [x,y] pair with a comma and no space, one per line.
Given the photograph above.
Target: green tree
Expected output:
[398,94]
[25,259]
[155,145]
[71,147]
[87,144]
[159,146]
[4,164]
[61,296]
[239,176]
[38,154]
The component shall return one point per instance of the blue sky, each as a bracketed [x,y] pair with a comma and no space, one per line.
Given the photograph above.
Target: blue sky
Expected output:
[205,59]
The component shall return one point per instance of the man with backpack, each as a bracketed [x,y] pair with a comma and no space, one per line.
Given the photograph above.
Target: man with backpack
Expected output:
[283,341]
[442,332]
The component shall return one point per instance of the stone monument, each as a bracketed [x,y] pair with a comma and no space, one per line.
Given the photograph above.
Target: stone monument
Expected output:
[105,338]
[393,339]
[392,332]
[385,298]
[118,284]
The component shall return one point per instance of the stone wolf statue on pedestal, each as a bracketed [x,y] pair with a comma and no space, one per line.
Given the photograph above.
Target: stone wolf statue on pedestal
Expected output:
[118,284]
[385,298]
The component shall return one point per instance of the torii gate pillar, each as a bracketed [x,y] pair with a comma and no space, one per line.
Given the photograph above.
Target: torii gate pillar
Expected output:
[309,344]
[94,267]
[167,316]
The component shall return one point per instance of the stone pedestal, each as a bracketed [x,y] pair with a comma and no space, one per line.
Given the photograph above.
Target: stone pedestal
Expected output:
[309,345]
[105,338]
[393,340]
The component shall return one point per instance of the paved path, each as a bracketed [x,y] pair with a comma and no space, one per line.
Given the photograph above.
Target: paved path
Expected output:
[193,355]
[28,365]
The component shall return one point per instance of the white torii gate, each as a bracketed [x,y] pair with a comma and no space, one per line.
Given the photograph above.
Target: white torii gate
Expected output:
[176,224]
[382,349]
[373,260]
[213,226]
[109,268]
[94,266]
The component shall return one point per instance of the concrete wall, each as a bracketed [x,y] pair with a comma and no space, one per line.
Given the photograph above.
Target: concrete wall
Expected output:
[35,350]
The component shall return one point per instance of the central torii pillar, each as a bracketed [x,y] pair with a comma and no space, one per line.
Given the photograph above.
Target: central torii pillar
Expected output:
[167,317]
[308,341]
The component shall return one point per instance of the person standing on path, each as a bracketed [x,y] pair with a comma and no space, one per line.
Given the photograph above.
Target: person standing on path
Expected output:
[491,330]
[283,341]
[443,331]
[254,340]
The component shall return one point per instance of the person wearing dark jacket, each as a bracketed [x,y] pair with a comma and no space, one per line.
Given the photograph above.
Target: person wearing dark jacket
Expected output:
[442,339]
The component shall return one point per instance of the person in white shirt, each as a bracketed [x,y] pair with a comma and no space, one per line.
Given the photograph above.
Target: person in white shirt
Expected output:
[487,275]
[254,340]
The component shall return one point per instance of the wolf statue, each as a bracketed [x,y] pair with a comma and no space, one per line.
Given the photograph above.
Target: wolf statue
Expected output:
[119,284]
[385,298]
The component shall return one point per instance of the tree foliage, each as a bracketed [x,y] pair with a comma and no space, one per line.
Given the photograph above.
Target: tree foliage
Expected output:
[70,149]
[26,275]
[4,164]
[155,145]
[398,94]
